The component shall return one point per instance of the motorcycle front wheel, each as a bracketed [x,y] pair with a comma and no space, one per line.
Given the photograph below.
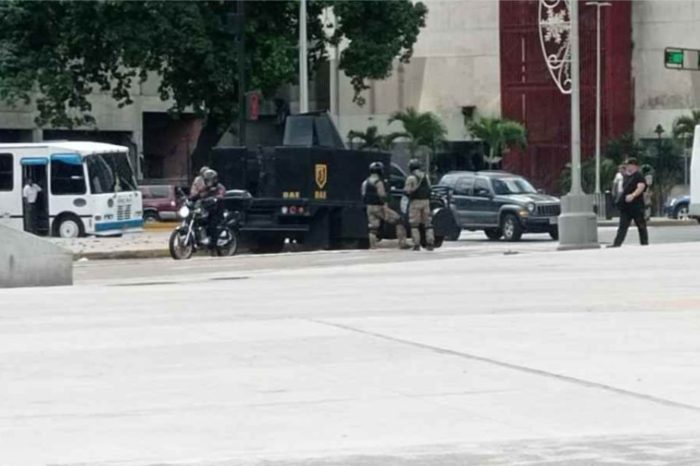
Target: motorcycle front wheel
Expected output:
[227,243]
[180,249]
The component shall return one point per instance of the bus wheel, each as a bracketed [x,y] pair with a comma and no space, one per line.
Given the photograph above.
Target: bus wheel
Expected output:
[69,226]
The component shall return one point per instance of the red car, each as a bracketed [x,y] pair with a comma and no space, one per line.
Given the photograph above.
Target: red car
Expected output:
[160,202]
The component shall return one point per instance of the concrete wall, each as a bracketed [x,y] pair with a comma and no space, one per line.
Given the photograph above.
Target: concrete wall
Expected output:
[662,95]
[456,64]
[27,260]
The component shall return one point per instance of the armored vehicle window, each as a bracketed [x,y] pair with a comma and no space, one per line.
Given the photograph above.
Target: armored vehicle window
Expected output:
[6,172]
[327,134]
[299,131]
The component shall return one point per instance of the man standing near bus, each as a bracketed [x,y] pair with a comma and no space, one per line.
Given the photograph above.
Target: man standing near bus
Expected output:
[31,194]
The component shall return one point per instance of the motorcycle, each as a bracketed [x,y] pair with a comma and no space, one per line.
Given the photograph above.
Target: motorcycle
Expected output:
[191,235]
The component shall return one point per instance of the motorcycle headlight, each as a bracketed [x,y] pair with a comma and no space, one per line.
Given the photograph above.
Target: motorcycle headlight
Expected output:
[184,211]
[531,207]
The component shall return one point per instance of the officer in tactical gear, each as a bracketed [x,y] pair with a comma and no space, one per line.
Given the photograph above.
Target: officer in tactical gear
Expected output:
[375,198]
[417,189]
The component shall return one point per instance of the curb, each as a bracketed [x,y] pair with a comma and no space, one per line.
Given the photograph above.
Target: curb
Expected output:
[114,255]
[654,223]
[159,226]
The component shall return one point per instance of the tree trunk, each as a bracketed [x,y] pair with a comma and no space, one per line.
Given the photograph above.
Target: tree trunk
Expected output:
[209,136]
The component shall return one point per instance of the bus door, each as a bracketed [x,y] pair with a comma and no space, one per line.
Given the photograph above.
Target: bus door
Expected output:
[36,169]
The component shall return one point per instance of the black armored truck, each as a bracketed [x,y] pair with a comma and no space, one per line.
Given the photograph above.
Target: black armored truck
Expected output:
[307,190]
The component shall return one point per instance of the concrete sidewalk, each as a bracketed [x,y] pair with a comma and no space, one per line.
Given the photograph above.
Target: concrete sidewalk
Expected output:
[576,358]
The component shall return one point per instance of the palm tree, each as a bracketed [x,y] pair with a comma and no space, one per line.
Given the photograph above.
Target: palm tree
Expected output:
[684,127]
[369,140]
[501,135]
[422,129]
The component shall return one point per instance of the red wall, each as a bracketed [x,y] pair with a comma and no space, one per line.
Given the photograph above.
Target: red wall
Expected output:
[529,95]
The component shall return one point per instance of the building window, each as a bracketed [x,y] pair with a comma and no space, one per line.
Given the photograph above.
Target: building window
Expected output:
[67,178]
[6,172]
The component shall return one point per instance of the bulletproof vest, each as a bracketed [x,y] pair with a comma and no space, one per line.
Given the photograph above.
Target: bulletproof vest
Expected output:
[423,191]
[370,195]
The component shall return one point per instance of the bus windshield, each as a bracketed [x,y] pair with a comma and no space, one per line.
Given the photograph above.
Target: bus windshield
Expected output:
[110,173]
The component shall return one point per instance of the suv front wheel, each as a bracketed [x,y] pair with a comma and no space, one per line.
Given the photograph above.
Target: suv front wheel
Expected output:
[512,230]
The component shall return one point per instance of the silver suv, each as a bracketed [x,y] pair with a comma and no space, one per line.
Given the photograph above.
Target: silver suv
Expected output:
[500,203]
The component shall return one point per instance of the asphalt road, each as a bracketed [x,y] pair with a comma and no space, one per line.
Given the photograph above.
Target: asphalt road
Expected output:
[471,244]
[477,354]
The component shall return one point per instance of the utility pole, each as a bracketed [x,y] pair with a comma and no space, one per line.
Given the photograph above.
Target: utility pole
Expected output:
[598,91]
[242,112]
[303,60]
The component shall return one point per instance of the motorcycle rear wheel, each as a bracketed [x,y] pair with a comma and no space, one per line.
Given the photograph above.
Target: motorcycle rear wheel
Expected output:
[230,248]
[178,250]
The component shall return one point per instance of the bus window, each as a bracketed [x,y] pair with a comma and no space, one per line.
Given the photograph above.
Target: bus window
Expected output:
[6,172]
[67,178]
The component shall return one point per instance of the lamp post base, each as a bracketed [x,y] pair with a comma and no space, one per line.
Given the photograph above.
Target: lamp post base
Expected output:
[578,225]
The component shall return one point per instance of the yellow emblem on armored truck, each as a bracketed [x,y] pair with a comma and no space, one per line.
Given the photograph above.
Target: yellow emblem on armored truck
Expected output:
[321,170]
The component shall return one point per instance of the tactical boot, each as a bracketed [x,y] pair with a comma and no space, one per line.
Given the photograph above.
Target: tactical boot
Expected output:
[430,247]
[416,247]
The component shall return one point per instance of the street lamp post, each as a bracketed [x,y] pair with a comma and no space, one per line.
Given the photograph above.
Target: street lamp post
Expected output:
[598,90]
[559,37]
[303,60]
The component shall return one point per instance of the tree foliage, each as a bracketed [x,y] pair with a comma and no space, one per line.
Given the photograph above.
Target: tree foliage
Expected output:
[422,129]
[500,135]
[59,52]
[684,127]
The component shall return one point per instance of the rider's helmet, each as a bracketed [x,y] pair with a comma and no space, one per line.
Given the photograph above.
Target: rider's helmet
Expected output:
[210,177]
[203,170]
[376,168]
[414,164]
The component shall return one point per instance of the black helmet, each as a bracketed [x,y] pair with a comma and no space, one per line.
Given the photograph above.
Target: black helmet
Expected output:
[376,168]
[414,164]
[211,178]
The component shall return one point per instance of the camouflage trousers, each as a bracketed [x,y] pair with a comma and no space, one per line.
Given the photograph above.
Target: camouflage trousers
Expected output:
[375,215]
[419,214]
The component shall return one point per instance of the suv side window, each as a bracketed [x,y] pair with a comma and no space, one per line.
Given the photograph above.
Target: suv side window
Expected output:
[482,188]
[464,185]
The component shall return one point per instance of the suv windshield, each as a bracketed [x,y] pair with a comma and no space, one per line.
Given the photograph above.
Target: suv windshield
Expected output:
[110,173]
[505,186]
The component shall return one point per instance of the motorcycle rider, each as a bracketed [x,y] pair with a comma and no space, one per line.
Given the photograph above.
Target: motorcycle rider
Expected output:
[198,183]
[210,196]
[375,198]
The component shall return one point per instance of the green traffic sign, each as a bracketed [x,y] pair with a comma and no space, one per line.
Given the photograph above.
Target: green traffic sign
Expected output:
[681,59]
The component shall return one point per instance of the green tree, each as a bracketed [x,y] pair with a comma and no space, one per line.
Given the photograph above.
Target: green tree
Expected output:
[422,129]
[500,135]
[623,147]
[370,139]
[58,53]
[684,127]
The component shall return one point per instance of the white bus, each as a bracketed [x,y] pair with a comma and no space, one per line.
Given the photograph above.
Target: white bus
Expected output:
[88,188]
